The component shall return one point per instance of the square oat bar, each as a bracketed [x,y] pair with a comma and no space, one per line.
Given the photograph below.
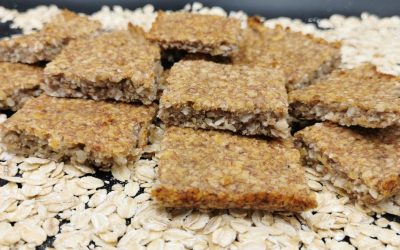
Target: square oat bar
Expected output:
[45,44]
[360,96]
[18,83]
[365,163]
[212,169]
[302,58]
[209,34]
[120,65]
[247,100]
[83,131]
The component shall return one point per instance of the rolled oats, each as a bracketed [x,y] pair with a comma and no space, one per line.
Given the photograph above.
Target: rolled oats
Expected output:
[100,222]
[131,189]
[127,208]
[50,226]
[30,191]
[223,236]
[90,182]
[157,244]
[81,219]
[121,173]
[177,234]
[196,221]
[97,198]
[31,233]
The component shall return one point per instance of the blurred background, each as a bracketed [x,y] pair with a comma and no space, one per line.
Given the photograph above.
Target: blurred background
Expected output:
[303,9]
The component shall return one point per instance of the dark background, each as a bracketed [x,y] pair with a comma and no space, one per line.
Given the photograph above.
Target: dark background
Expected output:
[303,9]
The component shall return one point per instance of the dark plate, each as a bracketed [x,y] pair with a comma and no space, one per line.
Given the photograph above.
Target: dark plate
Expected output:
[303,9]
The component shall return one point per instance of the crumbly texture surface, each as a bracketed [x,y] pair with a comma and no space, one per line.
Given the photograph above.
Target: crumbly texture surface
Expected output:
[242,99]
[121,65]
[363,162]
[45,44]
[360,96]
[211,169]
[302,58]
[209,34]
[18,83]
[84,131]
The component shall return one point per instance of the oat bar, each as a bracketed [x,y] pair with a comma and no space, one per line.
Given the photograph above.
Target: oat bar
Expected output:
[365,163]
[194,33]
[18,83]
[45,44]
[212,169]
[121,66]
[83,131]
[302,58]
[360,96]
[208,95]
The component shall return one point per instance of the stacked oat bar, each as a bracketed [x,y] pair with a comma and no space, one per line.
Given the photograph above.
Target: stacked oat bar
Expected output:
[46,44]
[114,67]
[357,148]
[302,58]
[206,161]
[120,65]
[18,83]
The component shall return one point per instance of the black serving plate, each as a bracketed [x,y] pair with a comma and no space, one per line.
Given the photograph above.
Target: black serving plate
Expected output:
[303,9]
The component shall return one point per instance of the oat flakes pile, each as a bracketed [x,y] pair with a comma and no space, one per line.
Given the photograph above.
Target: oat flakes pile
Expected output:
[59,206]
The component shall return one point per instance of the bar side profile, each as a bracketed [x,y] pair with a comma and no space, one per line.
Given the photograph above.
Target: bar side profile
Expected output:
[363,163]
[121,66]
[47,43]
[212,169]
[245,100]
[82,131]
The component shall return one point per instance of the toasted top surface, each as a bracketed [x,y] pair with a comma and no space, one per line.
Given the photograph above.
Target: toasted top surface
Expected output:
[110,57]
[207,30]
[16,76]
[63,27]
[233,88]
[110,128]
[221,162]
[371,155]
[296,54]
[362,87]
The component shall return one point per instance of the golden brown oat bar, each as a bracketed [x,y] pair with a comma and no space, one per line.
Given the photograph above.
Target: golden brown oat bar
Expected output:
[302,58]
[360,96]
[208,95]
[208,34]
[121,66]
[45,44]
[211,169]
[365,163]
[83,131]
[18,83]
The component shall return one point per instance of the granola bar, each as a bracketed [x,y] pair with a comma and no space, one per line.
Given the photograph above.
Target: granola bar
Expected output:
[83,131]
[212,169]
[303,58]
[45,44]
[208,34]
[121,66]
[18,83]
[365,163]
[360,96]
[250,101]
